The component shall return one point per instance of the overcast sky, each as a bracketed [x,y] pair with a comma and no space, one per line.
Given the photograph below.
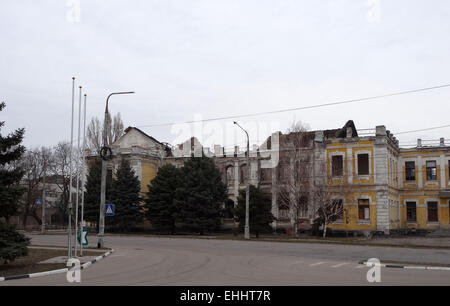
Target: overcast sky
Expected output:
[190,59]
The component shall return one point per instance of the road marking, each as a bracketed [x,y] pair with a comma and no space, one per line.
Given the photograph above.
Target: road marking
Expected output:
[360,266]
[317,264]
[339,265]
[412,267]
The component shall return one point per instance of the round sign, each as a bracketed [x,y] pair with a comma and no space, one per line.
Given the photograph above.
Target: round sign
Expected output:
[106,153]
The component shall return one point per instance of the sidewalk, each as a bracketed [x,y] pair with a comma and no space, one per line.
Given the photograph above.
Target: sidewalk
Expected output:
[431,242]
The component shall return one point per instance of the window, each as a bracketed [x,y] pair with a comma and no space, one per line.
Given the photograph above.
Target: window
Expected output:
[363,164]
[229,175]
[363,209]
[410,169]
[431,171]
[339,208]
[337,165]
[243,174]
[432,211]
[411,212]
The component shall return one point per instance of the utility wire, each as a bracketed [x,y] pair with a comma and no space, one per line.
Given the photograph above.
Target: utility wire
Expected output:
[423,130]
[303,107]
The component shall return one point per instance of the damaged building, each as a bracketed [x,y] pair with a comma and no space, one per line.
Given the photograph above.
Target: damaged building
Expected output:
[381,187]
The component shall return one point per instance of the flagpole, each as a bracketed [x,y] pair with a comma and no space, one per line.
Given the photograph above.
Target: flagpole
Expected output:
[83,176]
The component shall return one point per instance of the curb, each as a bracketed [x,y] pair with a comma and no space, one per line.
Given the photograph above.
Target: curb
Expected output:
[405,267]
[46,273]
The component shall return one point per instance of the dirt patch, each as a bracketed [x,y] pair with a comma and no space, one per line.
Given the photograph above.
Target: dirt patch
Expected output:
[30,264]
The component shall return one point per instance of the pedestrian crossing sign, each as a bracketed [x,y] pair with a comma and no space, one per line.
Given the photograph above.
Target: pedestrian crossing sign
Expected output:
[109,209]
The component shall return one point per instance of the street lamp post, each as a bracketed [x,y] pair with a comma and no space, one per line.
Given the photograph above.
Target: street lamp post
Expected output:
[106,125]
[247,193]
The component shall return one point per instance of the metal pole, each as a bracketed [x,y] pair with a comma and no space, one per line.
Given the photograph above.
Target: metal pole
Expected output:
[69,248]
[101,224]
[247,192]
[43,195]
[77,197]
[83,176]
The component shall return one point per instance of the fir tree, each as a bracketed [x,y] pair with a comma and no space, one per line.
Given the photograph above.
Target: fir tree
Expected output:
[11,151]
[12,243]
[162,205]
[125,195]
[202,194]
[260,206]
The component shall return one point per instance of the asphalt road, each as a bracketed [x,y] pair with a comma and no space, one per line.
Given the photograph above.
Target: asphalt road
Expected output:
[192,262]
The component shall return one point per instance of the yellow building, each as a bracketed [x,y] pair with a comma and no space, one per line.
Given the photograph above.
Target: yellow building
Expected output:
[381,187]
[398,189]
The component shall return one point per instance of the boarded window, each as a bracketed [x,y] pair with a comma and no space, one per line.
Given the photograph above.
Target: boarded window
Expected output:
[363,209]
[337,165]
[410,169]
[431,171]
[432,212]
[411,212]
[363,164]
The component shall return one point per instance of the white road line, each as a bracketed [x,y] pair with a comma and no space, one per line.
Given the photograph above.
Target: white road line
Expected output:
[339,265]
[360,266]
[298,262]
[317,264]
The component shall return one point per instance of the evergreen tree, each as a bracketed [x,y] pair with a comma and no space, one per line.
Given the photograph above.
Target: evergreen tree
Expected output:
[11,151]
[12,243]
[202,194]
[125,195]
[162,205]
[260,206]
[92,195]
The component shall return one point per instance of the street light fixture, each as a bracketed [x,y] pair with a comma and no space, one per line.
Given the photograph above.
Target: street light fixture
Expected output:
[247,193]
[101,227]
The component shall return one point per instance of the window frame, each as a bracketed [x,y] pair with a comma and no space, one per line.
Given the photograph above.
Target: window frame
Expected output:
[358,154]
[408,178]
[407,212]
[341,169]
[428,212]
[429,171]
[363,206]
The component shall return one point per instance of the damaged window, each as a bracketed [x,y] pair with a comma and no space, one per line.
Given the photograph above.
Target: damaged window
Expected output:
[431,170]
[363,164]
[432,211]
[337,165]
[411,212]
[410,169]
[363,209]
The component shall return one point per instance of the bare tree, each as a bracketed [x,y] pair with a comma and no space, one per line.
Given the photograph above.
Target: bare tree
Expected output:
[294,192]
[329,199]
[95,132]
[61,172]
[36,163]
